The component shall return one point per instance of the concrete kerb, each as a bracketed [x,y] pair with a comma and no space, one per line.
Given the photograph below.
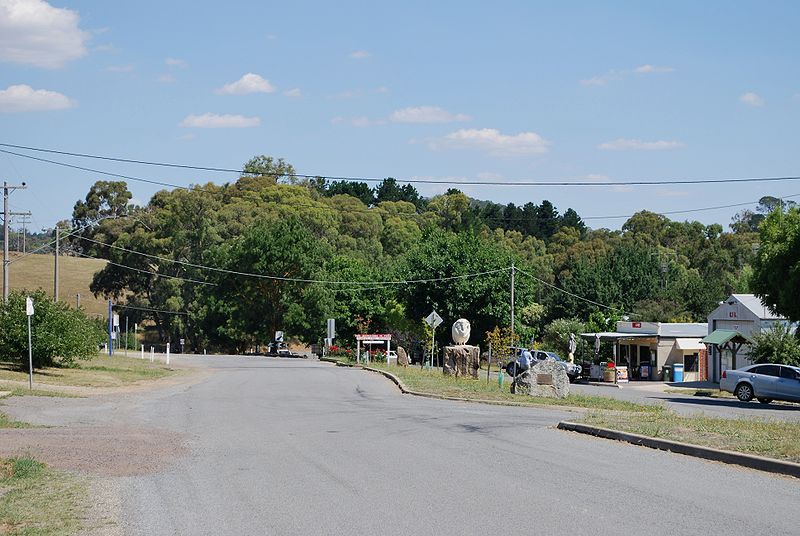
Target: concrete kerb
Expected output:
[407,391]
[734,458]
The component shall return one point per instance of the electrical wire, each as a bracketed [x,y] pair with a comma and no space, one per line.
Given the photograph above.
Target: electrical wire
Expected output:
[295,279]
[552,182]
[399,214]
[156,274]
[122,306]
[542,281]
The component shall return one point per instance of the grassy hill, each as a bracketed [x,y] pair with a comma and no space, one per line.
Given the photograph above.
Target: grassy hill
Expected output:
[36,271]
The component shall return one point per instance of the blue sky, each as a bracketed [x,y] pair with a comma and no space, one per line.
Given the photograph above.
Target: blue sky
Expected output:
[500,91]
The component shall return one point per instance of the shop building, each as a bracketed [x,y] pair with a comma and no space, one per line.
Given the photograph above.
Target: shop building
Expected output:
[647,348]
[742,313]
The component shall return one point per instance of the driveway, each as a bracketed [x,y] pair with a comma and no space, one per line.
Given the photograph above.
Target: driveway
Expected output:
[684,404]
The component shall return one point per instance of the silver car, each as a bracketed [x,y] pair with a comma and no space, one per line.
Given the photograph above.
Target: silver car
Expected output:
[764,382]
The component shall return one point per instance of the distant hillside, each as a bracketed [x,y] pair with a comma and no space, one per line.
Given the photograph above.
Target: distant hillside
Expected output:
[36,271]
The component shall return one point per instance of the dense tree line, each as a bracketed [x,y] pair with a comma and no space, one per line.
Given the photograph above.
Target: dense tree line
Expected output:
[351,245]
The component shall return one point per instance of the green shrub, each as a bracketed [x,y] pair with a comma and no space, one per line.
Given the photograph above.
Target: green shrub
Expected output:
[776,345]
[60,334]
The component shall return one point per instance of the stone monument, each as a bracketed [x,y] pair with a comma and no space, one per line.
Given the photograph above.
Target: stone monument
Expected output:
[402,356]
[461,359]
[545,378]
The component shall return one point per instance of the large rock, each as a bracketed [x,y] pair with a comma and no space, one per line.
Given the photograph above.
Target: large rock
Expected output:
[546,378]
[402,356]
[462,360]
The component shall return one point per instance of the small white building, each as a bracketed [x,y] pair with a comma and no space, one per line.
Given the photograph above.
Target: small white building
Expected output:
[646,347]
[743,313]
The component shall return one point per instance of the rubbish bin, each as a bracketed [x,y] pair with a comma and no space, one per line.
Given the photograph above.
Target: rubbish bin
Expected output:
[677,372]
[667,369]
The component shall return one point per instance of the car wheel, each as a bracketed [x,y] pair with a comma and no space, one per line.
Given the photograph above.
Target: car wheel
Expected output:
[765,400]
[744,392]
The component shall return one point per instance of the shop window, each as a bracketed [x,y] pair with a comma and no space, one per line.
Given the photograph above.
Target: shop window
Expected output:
[690,363]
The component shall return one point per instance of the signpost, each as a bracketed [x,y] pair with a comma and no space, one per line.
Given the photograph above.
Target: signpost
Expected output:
[433,320]
[29,312]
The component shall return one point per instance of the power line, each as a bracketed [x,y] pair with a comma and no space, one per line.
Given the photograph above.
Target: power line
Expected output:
[399,214]
[122,306]
[155,274]
[295,279]
[542,281]
[550,182]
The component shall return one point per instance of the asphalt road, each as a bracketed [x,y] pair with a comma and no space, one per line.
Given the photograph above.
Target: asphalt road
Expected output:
[652,392]
[300,447]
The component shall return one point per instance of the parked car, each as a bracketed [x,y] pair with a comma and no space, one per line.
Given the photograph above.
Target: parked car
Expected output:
[573,370]
[763,382]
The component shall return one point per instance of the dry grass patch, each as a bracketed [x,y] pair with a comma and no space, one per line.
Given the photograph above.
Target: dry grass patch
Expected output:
[770,438]
[75,276]
[100,371]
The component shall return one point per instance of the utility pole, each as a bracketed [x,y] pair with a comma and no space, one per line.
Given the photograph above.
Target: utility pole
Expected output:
[513,270]
[55,270]
[6,189]
[24,221]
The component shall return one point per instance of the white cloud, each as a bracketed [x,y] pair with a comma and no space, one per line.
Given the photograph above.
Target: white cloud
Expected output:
[174,62]
[360,121]
[33,32]
[23,98]
[753,99]
[294,92]
[360,55]
[120,68]
[209,120]
[426,114]
[622,144]
[647,68]
[595,81]
[166,78]
[249,83]
[604,79]
[494,142]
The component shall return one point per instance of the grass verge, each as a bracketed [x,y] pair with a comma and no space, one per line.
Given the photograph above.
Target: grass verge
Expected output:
[100,371]
[38,500]
[436,383]
[769,438]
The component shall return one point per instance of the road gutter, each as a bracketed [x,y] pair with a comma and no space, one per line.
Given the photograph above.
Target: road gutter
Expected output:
[751,461]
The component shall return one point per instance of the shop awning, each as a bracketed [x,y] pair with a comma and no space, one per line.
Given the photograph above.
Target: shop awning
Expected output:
[689,345]
[613,335]
[719,337]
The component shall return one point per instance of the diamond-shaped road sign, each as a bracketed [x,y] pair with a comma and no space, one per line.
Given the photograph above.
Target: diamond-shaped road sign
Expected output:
[433,320]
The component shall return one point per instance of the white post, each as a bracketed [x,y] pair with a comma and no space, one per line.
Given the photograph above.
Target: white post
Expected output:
[152,354]
[204,351]
[143,351]
[167,353]
[387,352]
[358,351]
[30,356]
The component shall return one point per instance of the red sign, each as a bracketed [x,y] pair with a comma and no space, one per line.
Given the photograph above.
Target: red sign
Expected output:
[732,314]
[636,324]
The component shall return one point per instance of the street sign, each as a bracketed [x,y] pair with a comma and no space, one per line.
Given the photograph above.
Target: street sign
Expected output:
[331,328]
[278,336]
[29,306]
[116,320]
[433,320]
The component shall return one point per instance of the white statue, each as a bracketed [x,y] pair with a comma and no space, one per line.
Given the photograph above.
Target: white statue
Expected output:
[461,329]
